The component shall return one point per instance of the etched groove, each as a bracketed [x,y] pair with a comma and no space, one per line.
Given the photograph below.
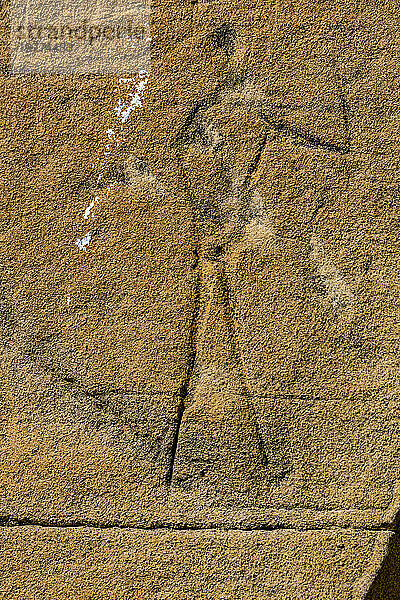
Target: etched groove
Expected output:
[254,165]
[185,387]
[175,440]
[183,137]
[307,138]
[345,115]
[239,361]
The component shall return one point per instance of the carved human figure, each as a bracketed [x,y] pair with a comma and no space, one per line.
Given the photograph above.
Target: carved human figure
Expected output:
[223,433]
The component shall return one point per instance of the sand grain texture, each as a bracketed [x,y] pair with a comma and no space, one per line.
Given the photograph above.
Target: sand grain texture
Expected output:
[204,403]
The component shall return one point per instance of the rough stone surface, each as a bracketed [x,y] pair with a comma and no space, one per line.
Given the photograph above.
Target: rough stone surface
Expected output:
[224,353]
[76,563]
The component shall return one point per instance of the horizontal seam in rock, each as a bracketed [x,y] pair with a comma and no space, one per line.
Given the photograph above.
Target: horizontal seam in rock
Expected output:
[177,393]
[8,523]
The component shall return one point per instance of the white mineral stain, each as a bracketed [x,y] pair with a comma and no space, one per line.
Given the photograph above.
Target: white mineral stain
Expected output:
[124,110]
[85,241]
[90,207]
[132,100]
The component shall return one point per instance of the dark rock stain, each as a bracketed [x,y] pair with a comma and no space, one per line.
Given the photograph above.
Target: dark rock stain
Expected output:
[224,38]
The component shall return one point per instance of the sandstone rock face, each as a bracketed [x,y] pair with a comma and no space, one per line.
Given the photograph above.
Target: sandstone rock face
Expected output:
[117,564]
[200,345]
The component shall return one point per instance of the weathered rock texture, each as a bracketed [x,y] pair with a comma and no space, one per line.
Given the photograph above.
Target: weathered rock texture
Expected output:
[119,564]
[225,353]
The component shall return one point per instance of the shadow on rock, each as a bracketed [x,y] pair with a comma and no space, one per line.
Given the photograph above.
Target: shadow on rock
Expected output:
[386,585]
